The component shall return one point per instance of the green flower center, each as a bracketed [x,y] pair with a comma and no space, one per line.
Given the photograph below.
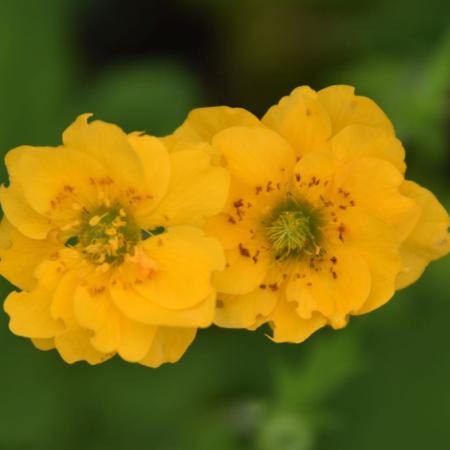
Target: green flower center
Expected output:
[107,235]
[293,229]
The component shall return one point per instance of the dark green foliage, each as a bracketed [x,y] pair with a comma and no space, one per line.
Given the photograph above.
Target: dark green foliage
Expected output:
[381,383]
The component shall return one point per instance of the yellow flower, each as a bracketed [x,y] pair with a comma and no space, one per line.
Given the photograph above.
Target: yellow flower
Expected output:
[320,223]
[102,235]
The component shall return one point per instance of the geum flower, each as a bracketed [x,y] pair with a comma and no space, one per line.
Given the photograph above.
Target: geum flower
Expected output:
[102,235]
[320,223]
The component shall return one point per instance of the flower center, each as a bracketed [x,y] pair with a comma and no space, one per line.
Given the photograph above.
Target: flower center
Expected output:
[108,235]
[293,229]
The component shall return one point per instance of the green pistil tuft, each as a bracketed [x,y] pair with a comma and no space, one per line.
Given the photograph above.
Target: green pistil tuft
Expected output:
[293,229]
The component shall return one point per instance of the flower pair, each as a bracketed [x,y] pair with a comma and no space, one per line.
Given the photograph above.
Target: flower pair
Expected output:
[127,244]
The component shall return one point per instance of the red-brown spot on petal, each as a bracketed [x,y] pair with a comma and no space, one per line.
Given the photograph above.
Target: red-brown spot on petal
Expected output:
[244,251]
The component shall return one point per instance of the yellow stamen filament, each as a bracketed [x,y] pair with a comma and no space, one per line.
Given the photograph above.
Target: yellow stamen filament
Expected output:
[118,222]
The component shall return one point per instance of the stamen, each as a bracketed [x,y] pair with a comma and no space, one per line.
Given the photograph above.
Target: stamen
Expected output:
[293,229]
[94,221]
[108,235]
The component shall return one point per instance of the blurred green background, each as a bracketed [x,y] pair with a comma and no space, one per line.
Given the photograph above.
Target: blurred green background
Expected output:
[381,383]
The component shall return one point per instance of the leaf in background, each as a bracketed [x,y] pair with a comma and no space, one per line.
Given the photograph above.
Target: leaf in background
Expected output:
[331,363]
[36,71]
[285,431]
[144,96]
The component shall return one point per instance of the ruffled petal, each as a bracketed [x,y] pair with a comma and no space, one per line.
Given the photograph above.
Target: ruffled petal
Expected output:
[30,312]
[44,344]
[373,185]
[136,340]
[345,108]
[172,270]
[196,190]
[357,141]
[244,271]
[141,309]
[256,156]
[243,311]
[20,255]
[203,123]
[109,146]
[288,326]
[429,240]
[155,161]
[375,242]
[74,345]
[63,297]
[56,182]
[313,176]
[15,206]
[301,119]
[182,267]
[95,311]
[336,288]
[30,315]
[169,345]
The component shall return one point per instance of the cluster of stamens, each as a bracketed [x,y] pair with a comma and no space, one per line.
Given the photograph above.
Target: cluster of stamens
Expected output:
[108,235]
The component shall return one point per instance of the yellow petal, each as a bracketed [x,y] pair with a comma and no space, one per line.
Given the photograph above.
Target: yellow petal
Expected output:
[138,298]
[356,141]
[374,185]
[183,271]
[13,201]
[345,108]
[141,309]
[30,316]
[288,326]
[54,179]
[243,273]
[169,345]
[135,340]
[209,244]
[95,310]
[196,190]
[109,146]
[313,176]
[203,123]
[155,161]
[44,344]
[63,297]
[219,227]
[19,255]
[111,330]
[335,290]
[301,119]
[30,312]
[429,240]
[242,311]
[375,242]
[256,156]
[74,345]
